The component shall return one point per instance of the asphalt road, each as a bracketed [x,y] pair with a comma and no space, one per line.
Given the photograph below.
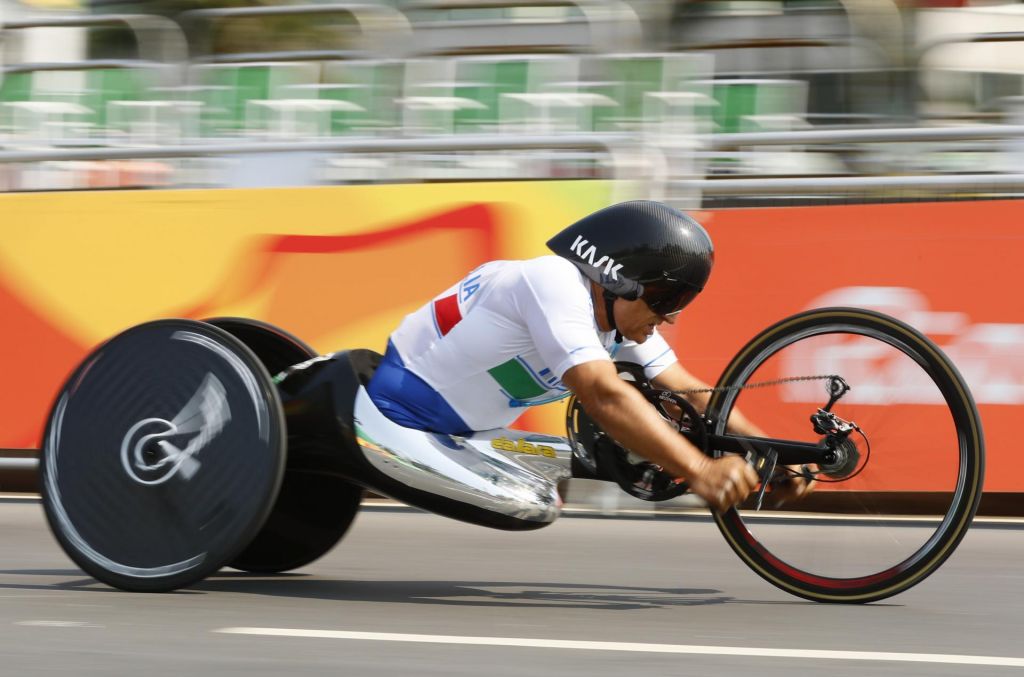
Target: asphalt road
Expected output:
[408,593]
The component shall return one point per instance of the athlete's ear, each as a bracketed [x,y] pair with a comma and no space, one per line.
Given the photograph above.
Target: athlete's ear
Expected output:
[604,323]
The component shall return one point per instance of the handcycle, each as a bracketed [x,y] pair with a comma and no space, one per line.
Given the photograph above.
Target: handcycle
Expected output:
[179,447]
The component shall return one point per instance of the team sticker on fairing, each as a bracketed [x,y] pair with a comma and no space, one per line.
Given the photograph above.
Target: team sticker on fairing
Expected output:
[611,268]
[521,446]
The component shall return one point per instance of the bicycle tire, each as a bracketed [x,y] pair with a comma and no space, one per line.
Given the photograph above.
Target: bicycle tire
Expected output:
[859,325]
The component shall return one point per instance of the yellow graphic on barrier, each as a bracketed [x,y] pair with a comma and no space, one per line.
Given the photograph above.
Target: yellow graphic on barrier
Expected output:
[338,266]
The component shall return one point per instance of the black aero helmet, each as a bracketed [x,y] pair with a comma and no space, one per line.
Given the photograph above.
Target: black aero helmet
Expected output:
[641,249]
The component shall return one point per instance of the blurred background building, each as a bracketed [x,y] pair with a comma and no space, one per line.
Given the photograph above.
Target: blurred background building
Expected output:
[713,102]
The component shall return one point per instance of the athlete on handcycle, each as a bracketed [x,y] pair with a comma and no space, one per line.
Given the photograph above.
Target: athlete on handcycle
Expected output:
[514,334]
[215,461]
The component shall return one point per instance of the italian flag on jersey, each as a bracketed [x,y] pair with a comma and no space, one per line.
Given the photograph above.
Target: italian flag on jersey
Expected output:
[516,377]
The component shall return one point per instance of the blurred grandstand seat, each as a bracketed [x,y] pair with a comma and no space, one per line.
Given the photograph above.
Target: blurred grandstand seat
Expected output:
[374,86]
[153,121]
[628,79]
[851,54]
[464,70]
[294,118]
[227,89]
[428,102]
[488,79]
[755,105]
[44,122]
[520,26]
[969,61]
[93,89]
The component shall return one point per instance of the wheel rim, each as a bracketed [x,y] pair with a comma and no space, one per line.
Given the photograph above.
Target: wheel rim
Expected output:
[855,542]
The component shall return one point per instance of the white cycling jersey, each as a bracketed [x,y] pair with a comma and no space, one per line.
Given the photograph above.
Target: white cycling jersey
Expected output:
[501,339]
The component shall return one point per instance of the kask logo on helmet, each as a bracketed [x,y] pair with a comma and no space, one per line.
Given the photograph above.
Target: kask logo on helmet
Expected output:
[611,268]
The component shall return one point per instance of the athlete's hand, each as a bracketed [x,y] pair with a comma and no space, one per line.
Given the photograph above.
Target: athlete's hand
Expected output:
[724,482]
[793,488]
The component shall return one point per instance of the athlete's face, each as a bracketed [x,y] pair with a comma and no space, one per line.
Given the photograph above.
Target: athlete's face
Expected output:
[635,319]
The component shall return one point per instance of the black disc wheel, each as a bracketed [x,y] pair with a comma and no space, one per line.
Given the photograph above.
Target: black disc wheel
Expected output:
[316,505]
[314,510]
[900,491]
[163,455]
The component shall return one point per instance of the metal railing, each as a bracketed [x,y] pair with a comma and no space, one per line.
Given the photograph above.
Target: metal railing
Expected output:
[967,184]
[863,45]
[870,135]
[622,157]
[607,25]
[967,38]
[160,40]
[604,143]
[383,28]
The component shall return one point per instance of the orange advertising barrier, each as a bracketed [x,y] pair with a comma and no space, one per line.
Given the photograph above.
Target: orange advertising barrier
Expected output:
[952,270]
[340,267]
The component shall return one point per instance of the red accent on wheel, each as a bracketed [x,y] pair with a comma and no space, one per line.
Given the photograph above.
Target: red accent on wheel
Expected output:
[803,576]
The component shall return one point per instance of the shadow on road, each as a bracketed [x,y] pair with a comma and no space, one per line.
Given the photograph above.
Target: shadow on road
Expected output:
[80,581]
[466,593]
[503,594]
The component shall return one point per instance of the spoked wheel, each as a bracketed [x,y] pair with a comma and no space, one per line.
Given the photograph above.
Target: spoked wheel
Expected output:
[902,489]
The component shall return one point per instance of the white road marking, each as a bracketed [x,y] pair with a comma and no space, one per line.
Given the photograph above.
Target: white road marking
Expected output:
[820,654]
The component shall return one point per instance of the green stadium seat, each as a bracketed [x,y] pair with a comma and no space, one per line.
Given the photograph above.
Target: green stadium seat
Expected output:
[374,86]
[750,105]
[104,85]
[487,79]
[226,89]
[428,102]
[629,79]
[85,95]
[16,87]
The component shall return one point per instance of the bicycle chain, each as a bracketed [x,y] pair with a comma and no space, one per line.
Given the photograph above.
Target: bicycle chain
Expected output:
[759,384]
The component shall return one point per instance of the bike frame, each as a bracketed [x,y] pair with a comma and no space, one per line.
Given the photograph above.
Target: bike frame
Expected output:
[790,452]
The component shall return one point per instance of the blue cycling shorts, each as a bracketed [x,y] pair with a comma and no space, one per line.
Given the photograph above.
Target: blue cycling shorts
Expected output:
[409,401]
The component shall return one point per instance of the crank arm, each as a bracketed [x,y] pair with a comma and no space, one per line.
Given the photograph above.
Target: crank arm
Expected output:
[765,466]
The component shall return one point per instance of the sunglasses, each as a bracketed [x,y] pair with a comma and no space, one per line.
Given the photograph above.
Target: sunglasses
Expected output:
[669,302]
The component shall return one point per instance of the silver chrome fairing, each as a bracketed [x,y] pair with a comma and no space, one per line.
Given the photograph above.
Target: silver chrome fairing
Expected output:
[507,472]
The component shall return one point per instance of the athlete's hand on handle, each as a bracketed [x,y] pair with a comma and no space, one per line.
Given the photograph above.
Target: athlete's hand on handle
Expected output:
[724,482]
[793,488]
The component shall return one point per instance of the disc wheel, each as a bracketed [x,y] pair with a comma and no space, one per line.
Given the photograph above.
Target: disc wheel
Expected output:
[314,510]
[902,502]
[163,455]
[316,505]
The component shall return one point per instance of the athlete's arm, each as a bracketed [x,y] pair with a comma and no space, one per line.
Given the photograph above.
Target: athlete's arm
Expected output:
[623,413]
[676,377]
